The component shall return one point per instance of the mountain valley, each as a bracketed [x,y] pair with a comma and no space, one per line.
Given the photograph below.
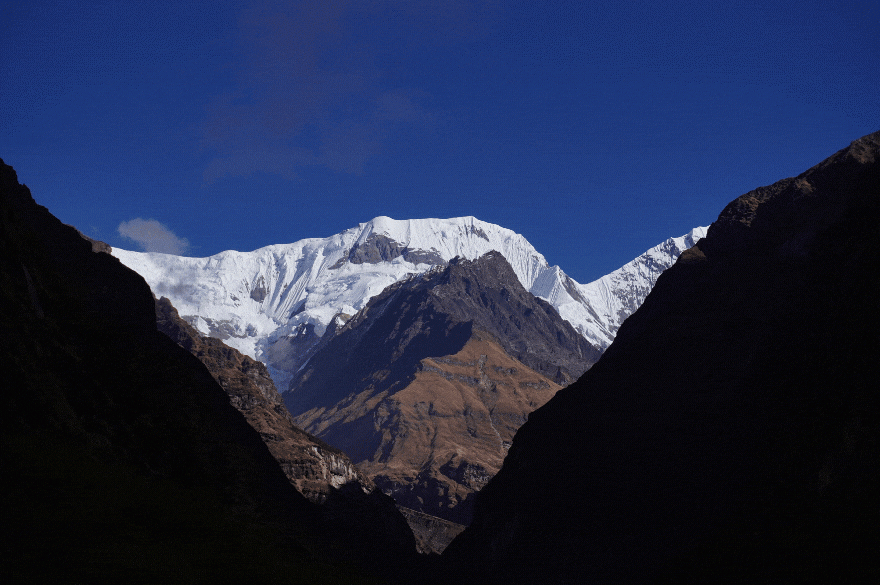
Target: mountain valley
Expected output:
[710,422]
[295,307]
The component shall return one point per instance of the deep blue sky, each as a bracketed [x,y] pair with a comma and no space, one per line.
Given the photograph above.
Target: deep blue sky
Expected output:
[595,130]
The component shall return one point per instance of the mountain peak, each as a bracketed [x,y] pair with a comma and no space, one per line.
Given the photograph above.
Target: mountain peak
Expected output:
[260,302]
[470,347]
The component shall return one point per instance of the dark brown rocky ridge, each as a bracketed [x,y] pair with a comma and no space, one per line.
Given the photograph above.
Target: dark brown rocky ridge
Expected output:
[124,459]
[311,465]
[731,432]
[351,503]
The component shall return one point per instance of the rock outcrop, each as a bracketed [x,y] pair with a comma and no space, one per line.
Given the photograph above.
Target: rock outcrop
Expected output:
[380,248]
[731,432]
[432,534]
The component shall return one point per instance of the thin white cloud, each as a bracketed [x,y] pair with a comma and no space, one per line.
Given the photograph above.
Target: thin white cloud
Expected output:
[152,236]
[309,86]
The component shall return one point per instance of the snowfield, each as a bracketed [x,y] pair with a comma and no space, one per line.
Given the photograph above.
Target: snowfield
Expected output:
[253,300]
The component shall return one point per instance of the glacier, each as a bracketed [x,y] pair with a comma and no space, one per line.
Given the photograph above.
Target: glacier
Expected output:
[274,304]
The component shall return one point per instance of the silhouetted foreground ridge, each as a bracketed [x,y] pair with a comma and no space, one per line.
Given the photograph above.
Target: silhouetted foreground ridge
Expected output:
[731,433]
[123,460]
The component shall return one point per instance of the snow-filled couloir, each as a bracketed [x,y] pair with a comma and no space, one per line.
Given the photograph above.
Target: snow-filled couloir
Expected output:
[275,303]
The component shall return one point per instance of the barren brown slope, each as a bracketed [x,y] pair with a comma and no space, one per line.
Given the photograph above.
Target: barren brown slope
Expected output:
[363,518]
[425,387]
[446,433]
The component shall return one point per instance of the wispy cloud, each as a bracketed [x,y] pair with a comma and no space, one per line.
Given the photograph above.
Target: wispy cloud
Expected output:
[152,236]
[310,88]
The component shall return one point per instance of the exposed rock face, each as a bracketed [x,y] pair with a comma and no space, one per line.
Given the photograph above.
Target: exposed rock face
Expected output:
[123,458]
[258,292]
[731,432]
[311,465]
[380,248]
[425,387]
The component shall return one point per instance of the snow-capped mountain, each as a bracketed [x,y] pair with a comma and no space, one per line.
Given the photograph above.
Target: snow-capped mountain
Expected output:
[598,308]
[293,292]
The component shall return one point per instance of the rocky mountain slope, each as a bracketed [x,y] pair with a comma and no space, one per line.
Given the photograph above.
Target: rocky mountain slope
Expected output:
[311,465]
[730,433]
[324,474]
[274,304]
[123,458]
[425,386]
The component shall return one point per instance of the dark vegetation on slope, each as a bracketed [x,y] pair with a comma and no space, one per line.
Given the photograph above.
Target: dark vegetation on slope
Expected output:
[352,506]
[731,433]
[123,459]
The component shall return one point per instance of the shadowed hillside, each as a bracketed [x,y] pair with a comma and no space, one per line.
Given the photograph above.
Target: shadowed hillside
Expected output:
[731,433]
[123,458]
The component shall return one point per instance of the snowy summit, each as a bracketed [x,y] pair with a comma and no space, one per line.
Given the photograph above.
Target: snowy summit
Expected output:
[254,300]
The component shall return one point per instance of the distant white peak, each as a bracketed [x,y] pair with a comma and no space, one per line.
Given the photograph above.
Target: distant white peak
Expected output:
[403,231]
[384,225]
[255,300]
[697,234]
